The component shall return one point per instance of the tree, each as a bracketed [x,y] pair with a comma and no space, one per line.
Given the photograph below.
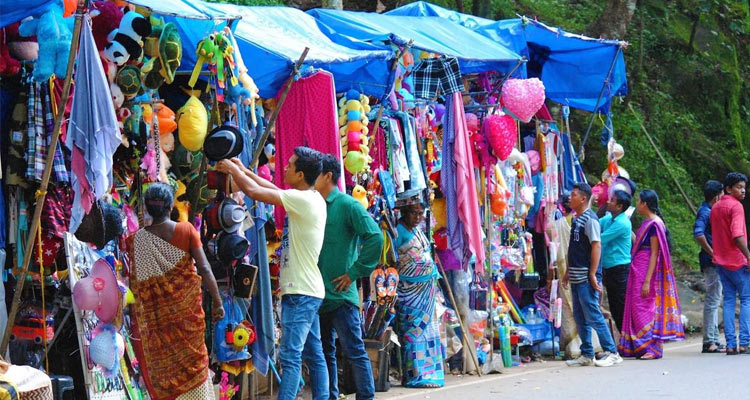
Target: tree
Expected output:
[335,4]
[613,22]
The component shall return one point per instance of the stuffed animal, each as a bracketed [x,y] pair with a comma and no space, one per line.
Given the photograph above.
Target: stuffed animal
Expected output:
[106,17]
[21,48]
[8,65]
[117,97]
[192,123]
[360,194]
[207,52]
[54,38]
[125,42]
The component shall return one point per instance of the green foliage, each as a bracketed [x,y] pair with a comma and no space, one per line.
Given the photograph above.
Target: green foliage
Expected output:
[251,2]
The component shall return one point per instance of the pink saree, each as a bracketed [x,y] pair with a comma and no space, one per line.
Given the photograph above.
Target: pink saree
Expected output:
[650,321]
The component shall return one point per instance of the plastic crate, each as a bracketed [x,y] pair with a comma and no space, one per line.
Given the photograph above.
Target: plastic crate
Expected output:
[539,332]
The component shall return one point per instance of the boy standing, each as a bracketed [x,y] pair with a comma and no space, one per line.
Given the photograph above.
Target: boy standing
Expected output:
[583,275]
[302,286]
[730,252]
[702,233]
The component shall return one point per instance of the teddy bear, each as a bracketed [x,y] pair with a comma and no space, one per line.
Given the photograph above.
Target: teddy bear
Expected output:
[54,38]
[125,42]
[106,17]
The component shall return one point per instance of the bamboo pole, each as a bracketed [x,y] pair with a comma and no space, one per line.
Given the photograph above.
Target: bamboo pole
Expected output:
[275,114]
[41,193]
[464,331]
[664,161]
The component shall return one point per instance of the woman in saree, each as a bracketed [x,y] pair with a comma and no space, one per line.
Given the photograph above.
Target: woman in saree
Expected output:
[416,325]
[168,317]
[652,306]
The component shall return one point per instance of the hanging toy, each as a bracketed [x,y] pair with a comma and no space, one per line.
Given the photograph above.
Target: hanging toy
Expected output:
[353,109]
[500,131]
[523,97]
[54,37]
[207,52]
[125,42]
[360,194]
[192,124]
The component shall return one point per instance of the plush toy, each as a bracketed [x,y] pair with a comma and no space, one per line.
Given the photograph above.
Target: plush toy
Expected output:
[54,38]
[21,48]
[192,122]
[523,97]
[167,121]
[207,52]
[353,109]
[500,131]
[244,79]
[125,42]
[8,65]
[181,206]
[166,54]
[360,194]
[106,17]
[117,97]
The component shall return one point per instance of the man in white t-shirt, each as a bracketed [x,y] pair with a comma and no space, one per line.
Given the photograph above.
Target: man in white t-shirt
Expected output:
[302,286]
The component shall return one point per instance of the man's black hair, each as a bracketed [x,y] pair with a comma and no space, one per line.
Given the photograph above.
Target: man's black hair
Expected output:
[622,198]
[332,165]
[734,178]
[712,189]
[308,162]
[584,188]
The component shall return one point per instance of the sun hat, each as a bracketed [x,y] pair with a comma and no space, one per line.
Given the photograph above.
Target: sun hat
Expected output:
[102,224]
[99,292]
[106,348]
[230,215]
[223,142]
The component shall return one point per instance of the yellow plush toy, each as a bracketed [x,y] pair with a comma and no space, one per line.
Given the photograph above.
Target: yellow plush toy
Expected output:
[192,122]
[360,194]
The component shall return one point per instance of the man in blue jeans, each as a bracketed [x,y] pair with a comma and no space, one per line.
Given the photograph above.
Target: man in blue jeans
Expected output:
[729,235]
[302,288]
[351,249]
[584,277]
[702,233]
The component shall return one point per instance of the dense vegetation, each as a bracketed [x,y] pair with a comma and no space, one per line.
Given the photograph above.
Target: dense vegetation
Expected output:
[687,61]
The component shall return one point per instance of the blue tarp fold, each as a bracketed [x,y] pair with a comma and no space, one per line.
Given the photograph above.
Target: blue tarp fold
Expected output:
[475,53]
[572,67]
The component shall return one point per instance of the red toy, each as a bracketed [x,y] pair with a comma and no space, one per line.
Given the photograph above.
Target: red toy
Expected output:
[32,328]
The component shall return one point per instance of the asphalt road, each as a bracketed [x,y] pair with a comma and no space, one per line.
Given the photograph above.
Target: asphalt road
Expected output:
[683,373]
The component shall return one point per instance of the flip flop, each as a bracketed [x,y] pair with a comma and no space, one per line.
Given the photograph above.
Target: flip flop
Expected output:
[707,348]
[379,280]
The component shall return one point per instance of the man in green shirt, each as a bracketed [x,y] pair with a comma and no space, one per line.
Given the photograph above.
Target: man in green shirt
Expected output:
[342,262]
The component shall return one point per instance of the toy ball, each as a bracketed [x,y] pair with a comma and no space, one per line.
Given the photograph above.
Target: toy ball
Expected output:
[192,122]
[353,105]
[354,115]
[500,130]
[106,348]
[472,122]
[352,95]
[354,162]
[523,97]
[354,126]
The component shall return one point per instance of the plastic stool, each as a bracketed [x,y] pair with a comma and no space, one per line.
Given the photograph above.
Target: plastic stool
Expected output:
[62,387]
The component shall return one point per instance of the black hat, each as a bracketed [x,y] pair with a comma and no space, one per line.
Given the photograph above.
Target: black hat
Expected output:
[231,246]
[223,142]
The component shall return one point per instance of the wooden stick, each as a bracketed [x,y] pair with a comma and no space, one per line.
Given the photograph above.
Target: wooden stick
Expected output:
[275,114]
[661,157]
[465,332]
[394,65]
[41,194]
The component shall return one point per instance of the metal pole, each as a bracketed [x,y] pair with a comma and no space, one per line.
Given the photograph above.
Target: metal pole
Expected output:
[41,193]
[275,114]
[499,87]
[382,100]
[581,153]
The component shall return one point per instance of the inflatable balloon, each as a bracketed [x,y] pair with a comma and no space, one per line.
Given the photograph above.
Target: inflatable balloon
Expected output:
[500,130]
[523,97]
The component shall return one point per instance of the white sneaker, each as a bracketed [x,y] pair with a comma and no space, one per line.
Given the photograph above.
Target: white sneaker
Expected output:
[608,360]
[581,361]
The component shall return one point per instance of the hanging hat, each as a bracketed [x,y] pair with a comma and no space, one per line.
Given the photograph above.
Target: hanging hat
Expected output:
[408,198]
[230,215]
[102,224]
[106,348]
[624,184]
[231,246]
[216,180]
[99,292]
[223,142]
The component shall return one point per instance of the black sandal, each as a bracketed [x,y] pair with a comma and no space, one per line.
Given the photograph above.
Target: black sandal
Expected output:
[707,348]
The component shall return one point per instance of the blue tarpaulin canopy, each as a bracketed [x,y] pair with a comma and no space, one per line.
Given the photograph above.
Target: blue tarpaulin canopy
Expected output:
[475,53]
[271,39]
[14,11]
[572,67]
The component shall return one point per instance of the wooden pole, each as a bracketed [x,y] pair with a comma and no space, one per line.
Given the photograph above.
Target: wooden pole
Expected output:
[275,114]
[464,331]
[41,194]
[664,161]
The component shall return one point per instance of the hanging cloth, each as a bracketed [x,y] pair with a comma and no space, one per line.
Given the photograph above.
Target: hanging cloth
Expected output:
[309,118]
[466,199]
[93,133]
[413,160]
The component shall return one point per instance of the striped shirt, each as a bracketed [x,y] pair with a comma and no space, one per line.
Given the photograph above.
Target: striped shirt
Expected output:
[584,230]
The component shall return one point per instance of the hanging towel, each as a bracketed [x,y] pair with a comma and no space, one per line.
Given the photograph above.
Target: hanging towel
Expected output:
[467,200]
[309,118]
[448,186]
[93,134]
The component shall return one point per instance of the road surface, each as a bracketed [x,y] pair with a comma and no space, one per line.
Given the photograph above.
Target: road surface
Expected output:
[683,373]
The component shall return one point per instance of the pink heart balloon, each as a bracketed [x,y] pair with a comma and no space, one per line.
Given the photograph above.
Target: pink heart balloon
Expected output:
[501,133]
[523,97]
